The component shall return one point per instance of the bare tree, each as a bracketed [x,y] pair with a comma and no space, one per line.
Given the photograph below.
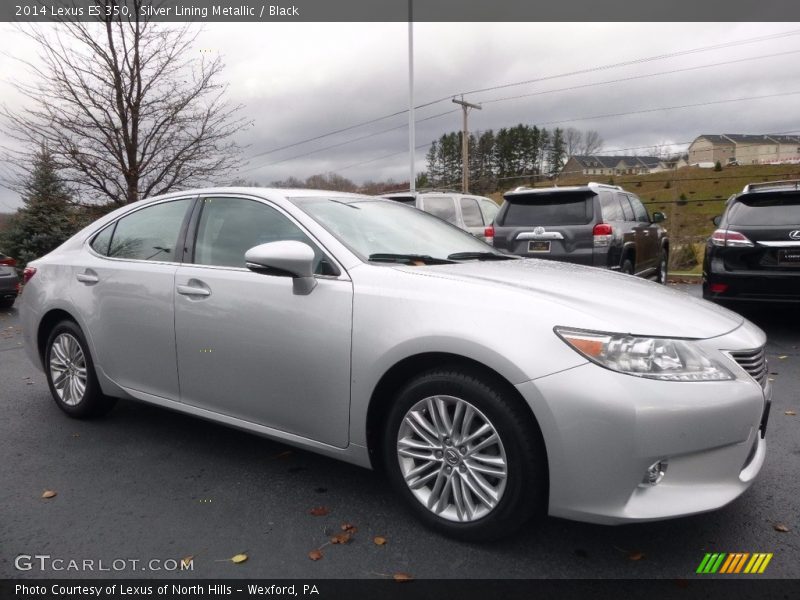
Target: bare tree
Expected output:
[573,139]
[592,143]
[125,107]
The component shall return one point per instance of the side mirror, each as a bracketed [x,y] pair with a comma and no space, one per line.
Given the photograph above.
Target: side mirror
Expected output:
[717,220]
[287,259]
[659,217]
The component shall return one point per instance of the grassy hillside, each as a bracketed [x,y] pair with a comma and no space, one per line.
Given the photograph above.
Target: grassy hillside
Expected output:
[690,197]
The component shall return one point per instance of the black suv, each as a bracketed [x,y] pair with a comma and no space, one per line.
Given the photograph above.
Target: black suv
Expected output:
[754,255]
[594,224]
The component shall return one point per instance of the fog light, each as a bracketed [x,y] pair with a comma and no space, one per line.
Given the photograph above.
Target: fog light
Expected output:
[654,473]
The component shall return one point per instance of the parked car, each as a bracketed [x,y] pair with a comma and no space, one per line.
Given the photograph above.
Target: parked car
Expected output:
[7,260]
[9,286]
[470,213]
[754,255]
[596,225]
[346,325]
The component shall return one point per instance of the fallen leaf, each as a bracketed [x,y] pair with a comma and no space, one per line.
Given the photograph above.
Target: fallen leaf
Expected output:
[790,413]
[402,577]
[341,538]
[49,494]
[187,560]
[239,558]
[379,541]
[783,357]
[636,556]
[780,527]
[319,511]
[348,527]
[315,555]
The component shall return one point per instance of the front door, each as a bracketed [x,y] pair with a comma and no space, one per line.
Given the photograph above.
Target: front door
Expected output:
[248,347]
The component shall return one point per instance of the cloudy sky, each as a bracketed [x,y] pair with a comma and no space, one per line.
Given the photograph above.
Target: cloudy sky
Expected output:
[299,81]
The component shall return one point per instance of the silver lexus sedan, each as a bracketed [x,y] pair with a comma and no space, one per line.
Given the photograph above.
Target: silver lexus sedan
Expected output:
[489,388]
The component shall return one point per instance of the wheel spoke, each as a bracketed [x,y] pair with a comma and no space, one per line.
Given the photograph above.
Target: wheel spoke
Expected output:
[458,498]
[481,431]
[433,413]
[499,472]
[436,491]
[492,439]
[421,431]
[418,482]
[477,489]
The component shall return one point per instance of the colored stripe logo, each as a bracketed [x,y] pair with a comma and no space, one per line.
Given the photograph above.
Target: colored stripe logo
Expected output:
[734,562]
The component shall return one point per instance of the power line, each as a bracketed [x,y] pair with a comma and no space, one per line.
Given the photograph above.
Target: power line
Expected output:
[384,131]
[529,81]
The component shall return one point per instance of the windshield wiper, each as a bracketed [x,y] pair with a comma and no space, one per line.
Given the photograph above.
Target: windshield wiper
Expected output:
[478,256]
[408,259]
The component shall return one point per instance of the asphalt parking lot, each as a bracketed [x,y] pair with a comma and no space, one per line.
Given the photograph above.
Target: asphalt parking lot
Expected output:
[144,483]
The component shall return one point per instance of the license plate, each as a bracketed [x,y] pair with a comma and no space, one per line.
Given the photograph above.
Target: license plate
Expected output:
[539,246]
[789,257]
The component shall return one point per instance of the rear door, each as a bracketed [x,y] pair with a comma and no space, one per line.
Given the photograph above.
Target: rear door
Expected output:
[771,221]
[646,233]
[443,207]
[553,225]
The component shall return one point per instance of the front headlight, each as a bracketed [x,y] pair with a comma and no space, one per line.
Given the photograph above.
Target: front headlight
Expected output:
[656,358]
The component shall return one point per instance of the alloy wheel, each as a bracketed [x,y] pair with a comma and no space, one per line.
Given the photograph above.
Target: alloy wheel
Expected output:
[452,458]
[68,369]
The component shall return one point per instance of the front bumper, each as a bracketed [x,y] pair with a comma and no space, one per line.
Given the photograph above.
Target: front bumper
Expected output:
[603,429]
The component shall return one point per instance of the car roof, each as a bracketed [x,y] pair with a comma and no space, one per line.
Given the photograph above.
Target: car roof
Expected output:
[264,191]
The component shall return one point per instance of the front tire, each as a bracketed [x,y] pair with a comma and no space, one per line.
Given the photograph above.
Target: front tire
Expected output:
[627,267]
[71,375]
[467,458]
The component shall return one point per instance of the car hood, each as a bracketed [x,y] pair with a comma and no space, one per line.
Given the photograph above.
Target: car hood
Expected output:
[593,298]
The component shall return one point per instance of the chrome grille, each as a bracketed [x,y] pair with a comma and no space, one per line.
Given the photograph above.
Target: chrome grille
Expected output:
[754,362]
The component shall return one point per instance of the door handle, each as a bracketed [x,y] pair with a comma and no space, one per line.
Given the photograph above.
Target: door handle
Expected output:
[190,290]
[87,278]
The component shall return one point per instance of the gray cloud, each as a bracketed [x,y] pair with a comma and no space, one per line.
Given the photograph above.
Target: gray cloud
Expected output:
[302,80]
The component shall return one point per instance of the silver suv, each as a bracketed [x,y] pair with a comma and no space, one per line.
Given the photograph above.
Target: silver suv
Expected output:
[470,213]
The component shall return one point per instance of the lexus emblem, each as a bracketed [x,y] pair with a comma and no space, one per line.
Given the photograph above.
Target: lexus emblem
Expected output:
[540,231]
[794,235]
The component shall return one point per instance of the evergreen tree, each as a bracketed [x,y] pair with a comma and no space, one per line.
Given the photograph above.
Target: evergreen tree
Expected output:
[47,218]
[558,152]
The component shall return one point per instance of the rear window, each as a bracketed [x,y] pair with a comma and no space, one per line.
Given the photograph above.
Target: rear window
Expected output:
[765,209]
[442,207]
[410,200]
[576,208]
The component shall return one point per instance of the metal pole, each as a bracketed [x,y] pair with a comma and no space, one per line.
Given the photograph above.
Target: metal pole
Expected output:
[465,144]
[411,142]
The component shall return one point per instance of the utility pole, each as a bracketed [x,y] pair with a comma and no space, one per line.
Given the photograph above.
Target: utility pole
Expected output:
[412,184]
[465,106]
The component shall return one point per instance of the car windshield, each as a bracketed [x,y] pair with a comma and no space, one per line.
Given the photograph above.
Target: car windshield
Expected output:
[765,209]
[377,228]
[560,208]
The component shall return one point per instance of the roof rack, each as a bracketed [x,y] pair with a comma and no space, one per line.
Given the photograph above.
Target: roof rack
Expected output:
[767,185]
[422,191]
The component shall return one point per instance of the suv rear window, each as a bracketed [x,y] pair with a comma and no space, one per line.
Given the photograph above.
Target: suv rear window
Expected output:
[765,209]
[562,208]
[410,200]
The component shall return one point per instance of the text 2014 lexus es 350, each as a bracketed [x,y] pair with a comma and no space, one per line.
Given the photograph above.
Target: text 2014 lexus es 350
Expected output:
[489,387]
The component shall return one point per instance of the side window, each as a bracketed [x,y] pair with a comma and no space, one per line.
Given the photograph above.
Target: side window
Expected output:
[102,240]
[611,207]
[150,233]
[639,210]
[229,227]
[442,207]
[471,212]
[489,210]
[627,210]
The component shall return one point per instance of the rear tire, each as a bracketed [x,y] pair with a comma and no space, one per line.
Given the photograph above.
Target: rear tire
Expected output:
[70,373]
[469,461]
[663,265]
[627,267]
[6,303]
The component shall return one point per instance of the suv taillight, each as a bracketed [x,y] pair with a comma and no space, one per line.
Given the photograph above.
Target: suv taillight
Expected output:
[602,233]
[28,274]
[488,234]
[734,239]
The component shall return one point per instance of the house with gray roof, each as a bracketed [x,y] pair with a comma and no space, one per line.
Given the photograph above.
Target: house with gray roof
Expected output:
[613,165]
[745,149]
